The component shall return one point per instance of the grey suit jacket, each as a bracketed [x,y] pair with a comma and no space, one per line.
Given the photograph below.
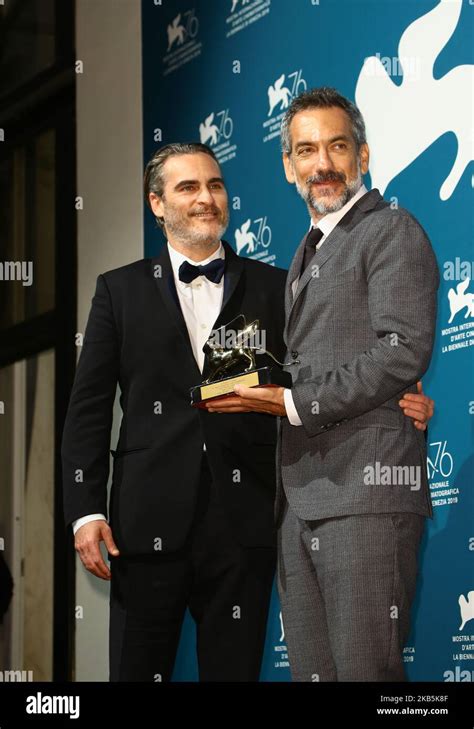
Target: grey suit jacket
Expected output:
[361,331]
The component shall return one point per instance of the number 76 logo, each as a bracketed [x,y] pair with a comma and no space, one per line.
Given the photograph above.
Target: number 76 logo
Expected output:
[246,238]
[443,461]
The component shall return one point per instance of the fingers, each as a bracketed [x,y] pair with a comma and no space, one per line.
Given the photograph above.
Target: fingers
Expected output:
[419,407]
[87,543]
[247,399]
[418,415]
[224,402]
[238,408]
[240,405]
[423,405]
[109,540]
[419,387]
[412,397]
[91,558]
[229,405]
[419,426]
[249,393]
[247,406]
[419,412]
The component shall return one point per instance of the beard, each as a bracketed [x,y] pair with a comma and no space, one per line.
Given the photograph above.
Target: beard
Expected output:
[321,206]
[185,232]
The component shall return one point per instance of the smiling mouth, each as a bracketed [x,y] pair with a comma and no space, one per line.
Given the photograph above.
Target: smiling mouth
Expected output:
[205,215]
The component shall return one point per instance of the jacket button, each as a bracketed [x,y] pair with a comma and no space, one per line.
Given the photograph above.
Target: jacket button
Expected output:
[294,355]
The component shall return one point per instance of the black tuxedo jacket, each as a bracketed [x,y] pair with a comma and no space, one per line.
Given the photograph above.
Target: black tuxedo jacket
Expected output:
[136,337]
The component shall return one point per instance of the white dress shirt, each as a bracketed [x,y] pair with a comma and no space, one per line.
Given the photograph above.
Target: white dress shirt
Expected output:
[200,300]
[327,225]
[201,303]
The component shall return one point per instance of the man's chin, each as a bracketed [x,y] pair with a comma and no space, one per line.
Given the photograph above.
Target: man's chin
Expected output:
[206,235]
[327,203]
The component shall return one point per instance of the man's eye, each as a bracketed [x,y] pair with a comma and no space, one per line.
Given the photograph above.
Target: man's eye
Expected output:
[340,145]
[187,188]
[304,151]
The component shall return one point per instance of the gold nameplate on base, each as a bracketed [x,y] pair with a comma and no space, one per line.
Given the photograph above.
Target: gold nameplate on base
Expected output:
[264,376]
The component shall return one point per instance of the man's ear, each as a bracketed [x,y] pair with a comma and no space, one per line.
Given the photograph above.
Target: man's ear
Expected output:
[364,157]
[156,204]
[288,165]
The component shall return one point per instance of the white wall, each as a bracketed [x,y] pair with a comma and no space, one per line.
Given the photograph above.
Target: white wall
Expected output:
[110,227]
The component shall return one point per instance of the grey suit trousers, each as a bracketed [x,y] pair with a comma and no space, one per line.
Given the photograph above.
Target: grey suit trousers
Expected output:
[346,587]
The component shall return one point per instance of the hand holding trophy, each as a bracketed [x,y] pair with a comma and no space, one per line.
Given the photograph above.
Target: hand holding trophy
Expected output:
[230,359]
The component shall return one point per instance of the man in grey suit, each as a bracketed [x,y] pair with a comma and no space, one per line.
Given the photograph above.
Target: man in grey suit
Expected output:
[352,492]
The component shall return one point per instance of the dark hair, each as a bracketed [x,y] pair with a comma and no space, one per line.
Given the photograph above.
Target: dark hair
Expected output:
[154,180]
[322,98]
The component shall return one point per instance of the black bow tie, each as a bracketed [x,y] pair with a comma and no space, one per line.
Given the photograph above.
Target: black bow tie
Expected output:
[213,271]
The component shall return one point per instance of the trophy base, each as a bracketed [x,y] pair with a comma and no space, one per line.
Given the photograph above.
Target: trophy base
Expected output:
[264,376]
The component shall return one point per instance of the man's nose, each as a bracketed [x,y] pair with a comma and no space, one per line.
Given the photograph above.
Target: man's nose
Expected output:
[323,160]
[205,196]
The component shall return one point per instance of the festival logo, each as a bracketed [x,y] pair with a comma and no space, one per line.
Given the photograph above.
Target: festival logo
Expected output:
[244,13]
[253,239]
[280,95]
[183,44]
[216,130]
[417,112]
[440,465]
[459,334]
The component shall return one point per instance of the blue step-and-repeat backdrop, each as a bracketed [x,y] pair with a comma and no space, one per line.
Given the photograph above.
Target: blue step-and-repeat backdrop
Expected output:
[223,72]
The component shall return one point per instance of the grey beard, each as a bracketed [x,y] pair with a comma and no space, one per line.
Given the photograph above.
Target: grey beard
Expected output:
[323,208]
[182,233]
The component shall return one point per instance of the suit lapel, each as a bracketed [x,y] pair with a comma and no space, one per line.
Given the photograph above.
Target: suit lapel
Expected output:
[162,272]
[333,242]
[293,272]
[234,266]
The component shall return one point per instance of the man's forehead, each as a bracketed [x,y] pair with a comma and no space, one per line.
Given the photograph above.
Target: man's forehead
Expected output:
[191,165]
[319,123]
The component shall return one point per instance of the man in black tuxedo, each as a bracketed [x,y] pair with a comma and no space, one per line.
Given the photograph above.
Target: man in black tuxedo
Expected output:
[191,504]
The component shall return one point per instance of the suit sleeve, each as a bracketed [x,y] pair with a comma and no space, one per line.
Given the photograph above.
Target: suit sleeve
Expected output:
[87,429]
[402,279]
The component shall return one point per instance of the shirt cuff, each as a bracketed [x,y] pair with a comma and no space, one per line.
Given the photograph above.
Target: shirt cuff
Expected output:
[85,520]
[291,413]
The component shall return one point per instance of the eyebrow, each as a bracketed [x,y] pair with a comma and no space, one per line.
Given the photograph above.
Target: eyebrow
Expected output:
[339,137]
[182,183]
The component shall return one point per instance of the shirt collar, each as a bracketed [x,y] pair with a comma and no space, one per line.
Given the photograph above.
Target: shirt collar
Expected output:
[177,259]
[329,222]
